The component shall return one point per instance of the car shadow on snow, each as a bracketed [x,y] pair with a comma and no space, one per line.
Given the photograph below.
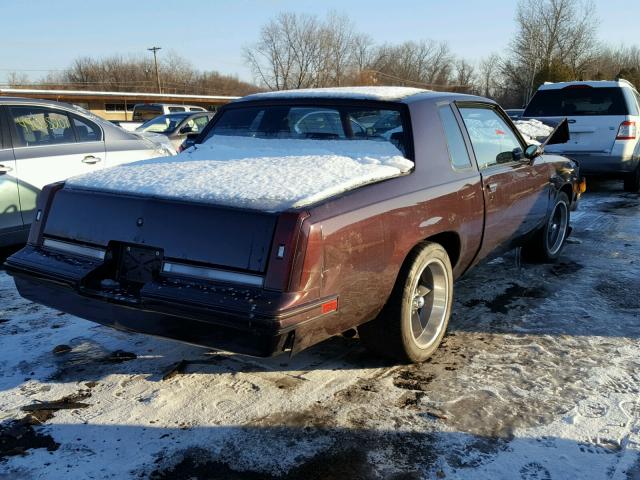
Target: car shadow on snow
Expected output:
[300,448]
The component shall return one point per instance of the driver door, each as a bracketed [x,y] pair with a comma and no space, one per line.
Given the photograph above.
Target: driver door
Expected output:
[516,192]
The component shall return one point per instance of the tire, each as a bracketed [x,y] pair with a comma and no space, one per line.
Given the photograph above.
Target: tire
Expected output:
[547,244]
[415,318]
[632,181]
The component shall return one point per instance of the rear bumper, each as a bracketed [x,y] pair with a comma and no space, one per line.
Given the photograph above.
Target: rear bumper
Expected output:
[600,163]
[242,320]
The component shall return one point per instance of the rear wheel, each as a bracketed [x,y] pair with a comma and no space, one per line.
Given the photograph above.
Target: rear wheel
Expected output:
[547,244]
[414,320]
[632,181]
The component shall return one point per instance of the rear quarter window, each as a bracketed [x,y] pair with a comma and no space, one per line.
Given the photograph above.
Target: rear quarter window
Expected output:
[458,154]
[578,101]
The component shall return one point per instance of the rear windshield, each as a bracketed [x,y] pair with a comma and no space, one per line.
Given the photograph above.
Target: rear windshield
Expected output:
[314,122]
[142,114]
[577,101]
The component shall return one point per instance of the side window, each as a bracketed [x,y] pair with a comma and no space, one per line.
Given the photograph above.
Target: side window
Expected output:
[86,131]
[37,126]
[493,140]
[455,141]
[176,109]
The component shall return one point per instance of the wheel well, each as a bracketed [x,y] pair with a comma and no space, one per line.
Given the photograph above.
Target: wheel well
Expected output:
[450,241]
[568,189]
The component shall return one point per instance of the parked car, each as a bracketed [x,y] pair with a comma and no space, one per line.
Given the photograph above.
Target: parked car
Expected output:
[265,238]
[515,113]
[176,126]
[603,120]
[143,112]
[42,142]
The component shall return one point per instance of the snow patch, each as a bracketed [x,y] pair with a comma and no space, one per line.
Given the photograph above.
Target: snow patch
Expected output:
[533,129]
[261,174]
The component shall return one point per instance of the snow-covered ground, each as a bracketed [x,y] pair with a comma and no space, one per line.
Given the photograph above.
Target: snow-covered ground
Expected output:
[538,378]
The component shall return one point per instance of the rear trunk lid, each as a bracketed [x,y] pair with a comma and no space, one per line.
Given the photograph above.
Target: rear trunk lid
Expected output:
[192,232]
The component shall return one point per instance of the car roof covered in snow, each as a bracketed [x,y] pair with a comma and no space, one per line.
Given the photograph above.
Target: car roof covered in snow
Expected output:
[389,94]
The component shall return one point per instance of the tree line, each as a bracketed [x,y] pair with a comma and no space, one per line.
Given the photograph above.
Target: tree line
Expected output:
[555,40]
[119,73]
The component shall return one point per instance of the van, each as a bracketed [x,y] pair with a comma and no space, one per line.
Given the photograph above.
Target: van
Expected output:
[144,112]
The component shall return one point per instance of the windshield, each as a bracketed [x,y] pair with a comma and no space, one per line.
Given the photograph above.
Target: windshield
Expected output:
[163,124]
[577,101]
[313,122]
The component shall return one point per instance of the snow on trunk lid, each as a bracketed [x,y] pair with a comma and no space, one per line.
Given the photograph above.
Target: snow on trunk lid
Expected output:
[260,174]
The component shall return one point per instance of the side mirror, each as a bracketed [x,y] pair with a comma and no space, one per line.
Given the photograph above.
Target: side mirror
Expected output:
[532,151]
[186,129]
[559,135]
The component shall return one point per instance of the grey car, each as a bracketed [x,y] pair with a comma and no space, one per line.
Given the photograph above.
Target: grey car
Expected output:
[176,126]
[43,142]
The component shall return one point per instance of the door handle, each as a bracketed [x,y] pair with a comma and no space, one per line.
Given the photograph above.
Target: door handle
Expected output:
[4,169]
[90,159]
[491,187]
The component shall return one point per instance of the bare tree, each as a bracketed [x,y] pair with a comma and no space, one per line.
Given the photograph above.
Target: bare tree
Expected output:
[489,75]
[426,63]
[362,51]
[301,51]
[620,62]
[17,79]
[555,37]
[287,52]
[464,76]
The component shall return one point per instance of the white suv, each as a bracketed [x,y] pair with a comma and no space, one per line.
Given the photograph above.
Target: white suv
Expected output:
[604,121]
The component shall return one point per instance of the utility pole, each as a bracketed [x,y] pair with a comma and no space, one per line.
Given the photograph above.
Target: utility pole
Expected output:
[155,60]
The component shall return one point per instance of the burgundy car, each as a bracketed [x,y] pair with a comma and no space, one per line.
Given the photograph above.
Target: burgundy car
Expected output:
[301,215]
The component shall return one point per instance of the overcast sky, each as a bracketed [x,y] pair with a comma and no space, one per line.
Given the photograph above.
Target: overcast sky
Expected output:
[41,35]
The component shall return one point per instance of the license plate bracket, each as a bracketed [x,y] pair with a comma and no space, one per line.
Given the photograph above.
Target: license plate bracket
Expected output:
[138,264]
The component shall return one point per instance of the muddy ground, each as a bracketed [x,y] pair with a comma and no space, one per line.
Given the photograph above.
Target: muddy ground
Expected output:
[538,378]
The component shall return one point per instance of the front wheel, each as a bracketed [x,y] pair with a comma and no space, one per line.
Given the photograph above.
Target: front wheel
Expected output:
[547,244]
[415,318]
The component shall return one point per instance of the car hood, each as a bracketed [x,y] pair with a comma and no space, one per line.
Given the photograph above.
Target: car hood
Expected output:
[262,174]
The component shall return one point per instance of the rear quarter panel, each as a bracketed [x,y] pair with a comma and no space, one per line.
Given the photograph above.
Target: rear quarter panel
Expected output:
[362,238]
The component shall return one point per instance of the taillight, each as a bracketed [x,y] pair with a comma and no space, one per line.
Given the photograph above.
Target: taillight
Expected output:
[627,131]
